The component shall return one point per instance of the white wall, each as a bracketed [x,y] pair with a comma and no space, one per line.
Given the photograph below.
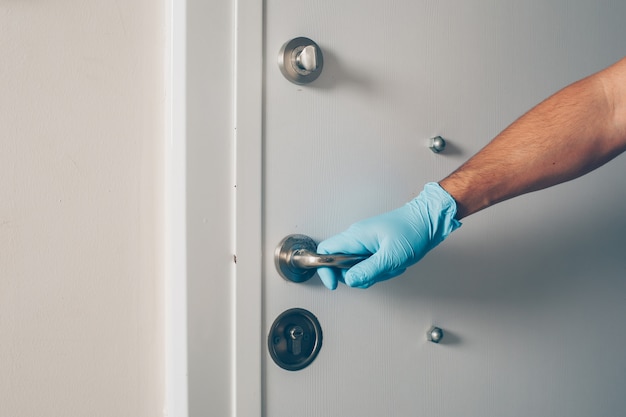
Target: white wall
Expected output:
[81,212]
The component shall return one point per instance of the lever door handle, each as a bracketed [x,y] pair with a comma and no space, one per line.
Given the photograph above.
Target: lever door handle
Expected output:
[296,258]
[309,260]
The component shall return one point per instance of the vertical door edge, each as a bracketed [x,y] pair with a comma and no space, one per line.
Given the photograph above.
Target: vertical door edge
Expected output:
[248,391]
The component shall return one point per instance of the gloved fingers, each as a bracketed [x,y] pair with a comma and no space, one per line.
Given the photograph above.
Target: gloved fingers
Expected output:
[330,277]
[370,271]
[344,242]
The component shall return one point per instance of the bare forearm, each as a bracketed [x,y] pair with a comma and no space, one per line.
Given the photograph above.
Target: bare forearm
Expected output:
[571,133]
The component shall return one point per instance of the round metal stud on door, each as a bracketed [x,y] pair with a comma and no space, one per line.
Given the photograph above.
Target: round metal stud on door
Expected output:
[295,339]
[437,144]
[434,334]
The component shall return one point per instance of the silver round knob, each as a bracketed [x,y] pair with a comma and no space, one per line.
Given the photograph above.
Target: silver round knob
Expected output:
[437,144]
[434,334]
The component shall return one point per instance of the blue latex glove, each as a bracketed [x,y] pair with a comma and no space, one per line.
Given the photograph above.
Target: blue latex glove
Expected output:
[396,239]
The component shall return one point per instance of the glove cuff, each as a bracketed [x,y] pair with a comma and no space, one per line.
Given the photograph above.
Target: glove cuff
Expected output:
[442,208]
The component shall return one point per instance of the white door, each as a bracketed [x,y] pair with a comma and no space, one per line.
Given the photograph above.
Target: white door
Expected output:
[531,294]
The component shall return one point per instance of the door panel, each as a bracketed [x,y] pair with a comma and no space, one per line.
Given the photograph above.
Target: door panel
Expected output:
[530,293]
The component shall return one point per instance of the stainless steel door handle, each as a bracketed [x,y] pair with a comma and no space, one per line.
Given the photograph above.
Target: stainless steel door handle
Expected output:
[296,258]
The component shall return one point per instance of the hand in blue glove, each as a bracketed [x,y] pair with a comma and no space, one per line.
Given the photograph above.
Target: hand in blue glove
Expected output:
[396,240]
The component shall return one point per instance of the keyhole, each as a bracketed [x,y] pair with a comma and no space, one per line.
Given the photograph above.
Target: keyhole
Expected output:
[296,333]
[294,339]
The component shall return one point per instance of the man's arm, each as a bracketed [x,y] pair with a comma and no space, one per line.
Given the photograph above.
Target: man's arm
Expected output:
[571,133]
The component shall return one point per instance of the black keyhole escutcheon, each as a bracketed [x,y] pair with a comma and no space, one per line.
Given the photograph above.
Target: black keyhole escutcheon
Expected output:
[295,339]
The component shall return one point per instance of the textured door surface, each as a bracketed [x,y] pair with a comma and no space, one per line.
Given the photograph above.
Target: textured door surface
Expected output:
[531,293]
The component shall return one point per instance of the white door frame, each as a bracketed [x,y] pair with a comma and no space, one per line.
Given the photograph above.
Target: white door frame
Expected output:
[175,242]
[213,230]
[249,48]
